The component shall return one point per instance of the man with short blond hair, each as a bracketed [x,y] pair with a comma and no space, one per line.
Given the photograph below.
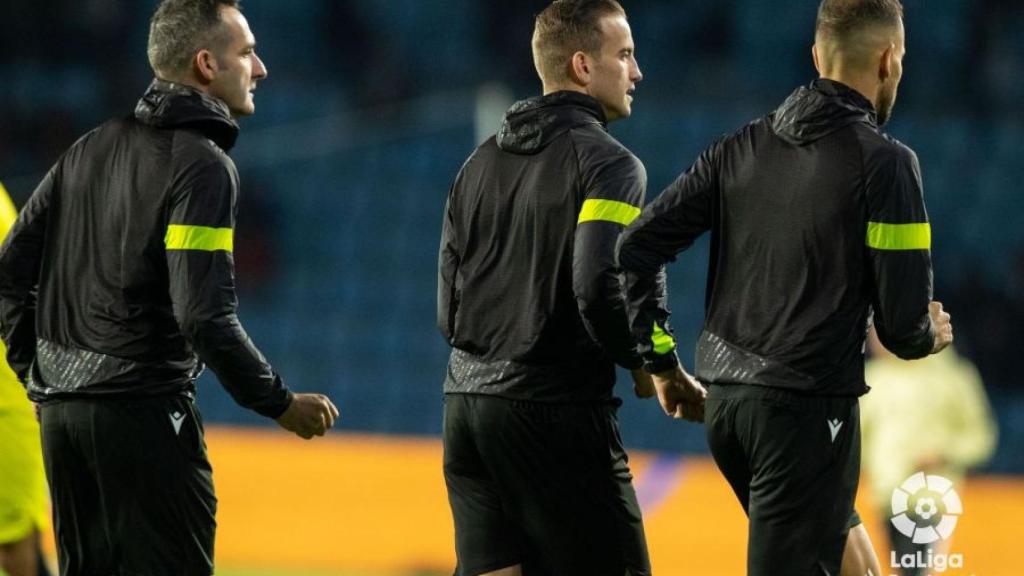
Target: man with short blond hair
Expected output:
[564,28]
[117,287]
[536,313]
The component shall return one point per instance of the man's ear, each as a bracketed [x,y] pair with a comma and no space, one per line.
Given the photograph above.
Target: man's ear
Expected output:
[580,69]
[885,63]
[205,64]
[814,54]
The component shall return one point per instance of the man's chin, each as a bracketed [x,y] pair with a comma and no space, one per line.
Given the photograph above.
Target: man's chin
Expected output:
[613,114]
[247,110]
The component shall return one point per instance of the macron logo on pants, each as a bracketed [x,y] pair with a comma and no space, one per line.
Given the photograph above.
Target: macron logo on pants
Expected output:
[177,418]
[834,425]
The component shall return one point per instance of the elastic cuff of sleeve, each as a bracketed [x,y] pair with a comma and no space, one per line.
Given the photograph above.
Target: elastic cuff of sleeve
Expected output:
[661,362]
[274,407]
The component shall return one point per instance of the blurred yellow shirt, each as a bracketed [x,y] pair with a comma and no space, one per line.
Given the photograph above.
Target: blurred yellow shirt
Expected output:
[929,410]
[23,502]
[12,392]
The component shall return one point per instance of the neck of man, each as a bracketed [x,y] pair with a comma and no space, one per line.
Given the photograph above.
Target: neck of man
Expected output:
[563,87]
[188,80]
[551,88]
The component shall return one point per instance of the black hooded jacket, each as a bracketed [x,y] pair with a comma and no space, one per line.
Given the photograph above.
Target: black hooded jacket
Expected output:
[117,280]
[817,218]
[528,292]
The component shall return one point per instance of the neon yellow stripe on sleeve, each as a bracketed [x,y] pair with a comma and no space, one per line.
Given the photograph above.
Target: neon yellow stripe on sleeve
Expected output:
[663,343]
[183,237]
[882,236]
[608,211]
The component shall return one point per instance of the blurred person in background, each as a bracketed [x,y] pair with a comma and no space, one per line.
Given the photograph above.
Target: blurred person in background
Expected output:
[930,415]
[817,218]
[536,312]
[23,506]
[117,286]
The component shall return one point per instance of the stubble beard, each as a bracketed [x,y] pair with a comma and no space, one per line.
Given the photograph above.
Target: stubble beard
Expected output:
[886,101]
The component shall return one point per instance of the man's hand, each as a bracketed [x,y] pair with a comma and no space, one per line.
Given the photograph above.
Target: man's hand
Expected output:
[680,395]
[308,415]
[941,327]
[643,385]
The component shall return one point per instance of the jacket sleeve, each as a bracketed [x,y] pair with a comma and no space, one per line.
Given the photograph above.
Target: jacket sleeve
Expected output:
[613,306]
[898,244]
[20,262]
[199,244]
[649,312]
[676,218]
[666,227]
[447,270]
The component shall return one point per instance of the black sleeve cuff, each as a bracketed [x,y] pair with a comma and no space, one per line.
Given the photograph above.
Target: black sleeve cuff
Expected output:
[661,362]
[276,403]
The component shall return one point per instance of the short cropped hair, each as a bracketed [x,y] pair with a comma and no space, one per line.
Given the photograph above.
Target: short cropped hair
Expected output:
[842,20]
[179,29]
[566,27]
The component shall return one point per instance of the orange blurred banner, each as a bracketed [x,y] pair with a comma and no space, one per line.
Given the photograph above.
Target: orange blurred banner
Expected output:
[377,504]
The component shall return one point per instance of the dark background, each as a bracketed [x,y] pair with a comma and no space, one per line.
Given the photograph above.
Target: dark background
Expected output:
[371,106]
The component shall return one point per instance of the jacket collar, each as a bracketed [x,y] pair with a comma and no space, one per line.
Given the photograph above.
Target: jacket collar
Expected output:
[819,109]
[845,93]
[171,105]
[530,125]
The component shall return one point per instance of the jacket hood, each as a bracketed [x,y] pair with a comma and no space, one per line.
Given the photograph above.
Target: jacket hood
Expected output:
[820,109]
[530,125]
[171,105]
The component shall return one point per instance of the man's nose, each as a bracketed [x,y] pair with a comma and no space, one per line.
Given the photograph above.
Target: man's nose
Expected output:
[259,71]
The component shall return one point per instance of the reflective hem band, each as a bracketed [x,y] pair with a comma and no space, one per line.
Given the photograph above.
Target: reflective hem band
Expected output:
[183,237]
[663,343]
[608,211]
[883,236]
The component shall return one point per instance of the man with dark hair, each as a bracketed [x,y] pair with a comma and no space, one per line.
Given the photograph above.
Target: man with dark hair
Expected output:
[117,285]
[817,219]
[536,313]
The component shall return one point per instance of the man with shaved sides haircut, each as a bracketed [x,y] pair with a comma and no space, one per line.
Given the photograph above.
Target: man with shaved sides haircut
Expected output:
[538,316]
[117,285]
[818,228]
